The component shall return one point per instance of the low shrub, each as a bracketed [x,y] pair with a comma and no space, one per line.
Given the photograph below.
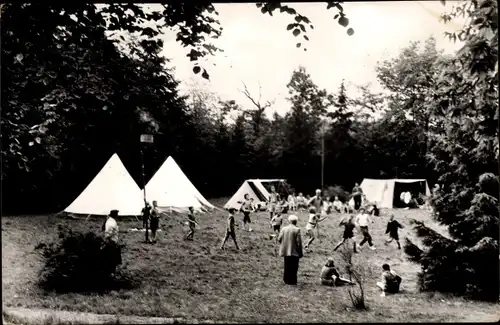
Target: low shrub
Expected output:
[80,262]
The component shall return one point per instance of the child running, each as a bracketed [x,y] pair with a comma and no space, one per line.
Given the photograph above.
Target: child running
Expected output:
[349,226]
[276,223]
[230,229]
[246,207]
[312,223]
[362,220]
[392,229]
[192,224]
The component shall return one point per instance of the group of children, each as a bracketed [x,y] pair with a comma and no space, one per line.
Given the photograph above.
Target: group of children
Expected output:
[329,274]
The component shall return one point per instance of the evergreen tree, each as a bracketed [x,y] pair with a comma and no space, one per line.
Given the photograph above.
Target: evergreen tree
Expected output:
[465,154]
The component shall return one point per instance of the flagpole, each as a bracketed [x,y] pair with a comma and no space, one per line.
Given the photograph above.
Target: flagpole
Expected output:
[145,138]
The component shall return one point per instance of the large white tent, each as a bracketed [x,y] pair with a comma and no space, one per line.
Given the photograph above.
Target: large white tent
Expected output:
[383,191]
[112,189]
[171,189]
[255,189]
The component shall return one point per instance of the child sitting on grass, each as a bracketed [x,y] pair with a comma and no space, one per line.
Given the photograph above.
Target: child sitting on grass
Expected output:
[390,281]
[230,229]
[331,277]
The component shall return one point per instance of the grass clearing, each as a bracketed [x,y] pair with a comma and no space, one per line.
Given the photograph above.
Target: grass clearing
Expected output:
[195,280]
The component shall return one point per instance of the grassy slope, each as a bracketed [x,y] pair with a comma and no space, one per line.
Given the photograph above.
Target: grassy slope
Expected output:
[194,279]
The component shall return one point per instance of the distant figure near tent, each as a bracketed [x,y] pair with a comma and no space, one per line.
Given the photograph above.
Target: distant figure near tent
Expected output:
[230,229]
[357,194]
[256,189]
[273,201]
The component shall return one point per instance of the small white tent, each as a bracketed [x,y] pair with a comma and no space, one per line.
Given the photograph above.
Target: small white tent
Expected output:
[112,189]
[171,188]
[383,191]
[256,191]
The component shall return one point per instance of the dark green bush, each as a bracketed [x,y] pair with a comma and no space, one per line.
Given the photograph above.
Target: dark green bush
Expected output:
[80,262]
[339,191]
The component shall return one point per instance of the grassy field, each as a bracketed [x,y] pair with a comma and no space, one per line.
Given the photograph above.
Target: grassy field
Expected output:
[195,280]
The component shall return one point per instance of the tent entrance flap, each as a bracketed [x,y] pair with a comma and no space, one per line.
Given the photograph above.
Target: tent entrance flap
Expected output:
[257,191]
[415,188]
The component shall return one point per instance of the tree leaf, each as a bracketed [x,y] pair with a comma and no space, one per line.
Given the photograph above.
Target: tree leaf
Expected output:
[443,2]
[296,32]
[31,143]
[38,140]
[350,32]
[290,26]
[196,69]
[343,21]
[205,74]
[298,44]
[306,38]
[19,57]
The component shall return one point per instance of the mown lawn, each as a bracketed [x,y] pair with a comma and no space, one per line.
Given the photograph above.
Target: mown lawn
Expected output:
[195,280]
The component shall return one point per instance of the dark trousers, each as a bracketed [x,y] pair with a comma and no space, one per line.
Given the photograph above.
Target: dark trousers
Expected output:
[366,236]
[291,269]
[357,202]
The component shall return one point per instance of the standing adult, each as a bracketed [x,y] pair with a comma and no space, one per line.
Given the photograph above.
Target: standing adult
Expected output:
[357,195]
[111,250]
[290,241]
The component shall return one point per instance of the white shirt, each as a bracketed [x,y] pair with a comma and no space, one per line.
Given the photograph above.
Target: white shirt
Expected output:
[111,230]
[337,204]
[312,222]
[363,219]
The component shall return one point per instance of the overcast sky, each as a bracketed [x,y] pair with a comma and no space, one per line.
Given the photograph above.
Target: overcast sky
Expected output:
[258,48]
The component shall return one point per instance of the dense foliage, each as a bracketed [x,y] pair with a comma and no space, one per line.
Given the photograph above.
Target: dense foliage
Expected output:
[79,263]
[72,95]
[463,104]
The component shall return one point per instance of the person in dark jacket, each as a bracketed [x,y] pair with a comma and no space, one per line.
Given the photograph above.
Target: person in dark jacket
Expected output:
[392,229]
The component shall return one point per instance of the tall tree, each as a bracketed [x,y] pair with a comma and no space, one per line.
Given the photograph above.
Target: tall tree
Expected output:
[465,153]
[301,151]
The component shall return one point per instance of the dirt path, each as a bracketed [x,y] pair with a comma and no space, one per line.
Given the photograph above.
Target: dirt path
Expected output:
[27,316]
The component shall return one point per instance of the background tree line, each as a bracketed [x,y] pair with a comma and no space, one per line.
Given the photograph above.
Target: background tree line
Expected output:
[71,97]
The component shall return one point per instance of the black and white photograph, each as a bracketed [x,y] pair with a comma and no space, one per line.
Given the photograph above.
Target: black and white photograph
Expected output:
[250,162]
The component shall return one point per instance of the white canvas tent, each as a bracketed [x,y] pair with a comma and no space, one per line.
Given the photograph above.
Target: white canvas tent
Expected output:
[172,190]
[255,189]
[112,188]
[383,191]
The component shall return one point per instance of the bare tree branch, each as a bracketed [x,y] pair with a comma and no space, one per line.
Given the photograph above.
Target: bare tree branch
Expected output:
[257,103]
